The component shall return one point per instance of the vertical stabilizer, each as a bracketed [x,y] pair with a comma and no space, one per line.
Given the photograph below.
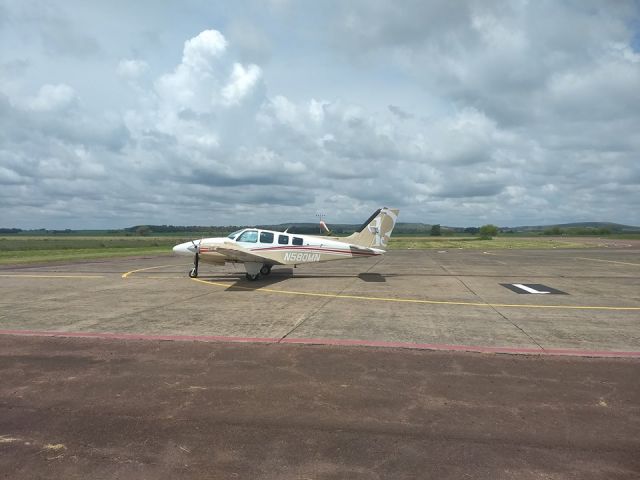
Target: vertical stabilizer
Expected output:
[376,231]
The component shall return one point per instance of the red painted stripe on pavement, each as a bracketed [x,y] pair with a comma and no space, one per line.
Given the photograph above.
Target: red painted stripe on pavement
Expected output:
[463,348]
[333,342]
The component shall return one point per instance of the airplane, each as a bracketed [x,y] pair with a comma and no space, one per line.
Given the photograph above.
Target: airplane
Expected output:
[259,250]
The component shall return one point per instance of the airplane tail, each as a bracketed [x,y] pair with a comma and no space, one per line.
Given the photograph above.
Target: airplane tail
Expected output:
[376,231]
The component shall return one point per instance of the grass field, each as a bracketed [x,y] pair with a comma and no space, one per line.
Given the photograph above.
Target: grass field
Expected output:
[18,249]
[441,243]
[36,249]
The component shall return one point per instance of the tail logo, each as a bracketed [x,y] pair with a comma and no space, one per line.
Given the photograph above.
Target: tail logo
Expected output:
[381,228]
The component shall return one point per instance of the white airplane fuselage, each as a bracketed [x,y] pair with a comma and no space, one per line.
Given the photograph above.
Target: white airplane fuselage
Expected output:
[276,248]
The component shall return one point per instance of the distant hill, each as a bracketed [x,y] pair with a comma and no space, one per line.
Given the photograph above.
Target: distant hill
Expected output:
[613,227]
[407,228]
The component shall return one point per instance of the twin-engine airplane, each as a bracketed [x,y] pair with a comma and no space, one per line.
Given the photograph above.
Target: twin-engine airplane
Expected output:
[260,250]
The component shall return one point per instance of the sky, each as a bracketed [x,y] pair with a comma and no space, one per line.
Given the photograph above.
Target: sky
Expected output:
[121,113]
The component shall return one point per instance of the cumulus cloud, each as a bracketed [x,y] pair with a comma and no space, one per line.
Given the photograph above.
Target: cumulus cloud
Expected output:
[241,82]
[206,78]
[52,97]
[200,51]
[504,58]
[494,112]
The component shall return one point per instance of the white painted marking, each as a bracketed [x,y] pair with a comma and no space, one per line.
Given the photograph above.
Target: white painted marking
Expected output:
[527,289]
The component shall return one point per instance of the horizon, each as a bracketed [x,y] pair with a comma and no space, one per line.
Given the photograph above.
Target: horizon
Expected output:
[257,225]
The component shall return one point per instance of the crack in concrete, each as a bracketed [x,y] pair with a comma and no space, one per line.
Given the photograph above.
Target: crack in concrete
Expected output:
[522,330]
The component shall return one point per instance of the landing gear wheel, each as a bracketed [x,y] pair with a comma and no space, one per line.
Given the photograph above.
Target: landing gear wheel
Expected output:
[265,270]
[193,273]
[252,278]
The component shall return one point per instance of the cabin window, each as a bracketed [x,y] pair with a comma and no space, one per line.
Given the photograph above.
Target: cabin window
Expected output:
[266,237]
[233,235]
[297,241]
[283,239]
[249,236]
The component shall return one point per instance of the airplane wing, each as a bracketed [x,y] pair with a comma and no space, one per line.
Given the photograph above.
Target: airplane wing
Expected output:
[236,252]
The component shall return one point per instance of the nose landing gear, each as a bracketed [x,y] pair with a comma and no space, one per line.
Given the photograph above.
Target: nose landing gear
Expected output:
[193,273]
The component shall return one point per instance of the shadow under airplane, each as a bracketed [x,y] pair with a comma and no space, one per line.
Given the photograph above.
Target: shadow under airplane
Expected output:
[280,275]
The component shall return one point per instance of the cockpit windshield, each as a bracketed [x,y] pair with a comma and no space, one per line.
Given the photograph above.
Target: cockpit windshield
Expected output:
[233,235]
[250,236]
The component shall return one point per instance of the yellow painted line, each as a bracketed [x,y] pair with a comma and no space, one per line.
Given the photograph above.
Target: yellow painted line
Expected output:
[125,275]
[18,275]
[162,277]
[413,300]
[609,261]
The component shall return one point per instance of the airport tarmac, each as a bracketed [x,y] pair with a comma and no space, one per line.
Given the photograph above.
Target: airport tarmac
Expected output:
[391,388]
[449,300]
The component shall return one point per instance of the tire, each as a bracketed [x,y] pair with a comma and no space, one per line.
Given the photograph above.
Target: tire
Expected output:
[265,270]
[193,273]
[252,278]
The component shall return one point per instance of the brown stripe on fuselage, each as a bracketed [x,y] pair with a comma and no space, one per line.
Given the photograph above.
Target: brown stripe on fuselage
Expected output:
[316,249]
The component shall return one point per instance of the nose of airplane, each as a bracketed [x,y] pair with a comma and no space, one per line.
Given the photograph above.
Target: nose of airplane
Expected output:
[186,248]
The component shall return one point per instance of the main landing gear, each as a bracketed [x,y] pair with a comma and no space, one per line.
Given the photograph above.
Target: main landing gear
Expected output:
[254,270]
[265,270]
